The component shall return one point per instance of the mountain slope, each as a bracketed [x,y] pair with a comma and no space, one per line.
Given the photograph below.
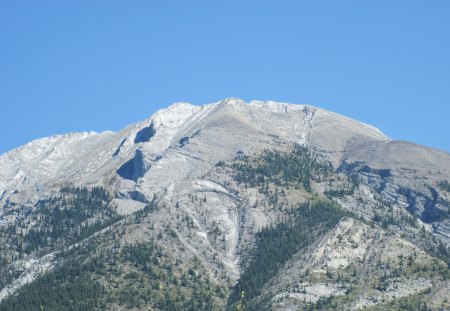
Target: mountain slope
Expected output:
[184,203]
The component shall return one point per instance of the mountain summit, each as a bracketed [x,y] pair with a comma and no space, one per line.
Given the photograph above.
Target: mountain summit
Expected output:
[294,205]
[226,127]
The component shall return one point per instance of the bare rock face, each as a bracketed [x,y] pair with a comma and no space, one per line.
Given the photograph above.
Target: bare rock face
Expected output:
[180,133]
[172,177]
[405,174]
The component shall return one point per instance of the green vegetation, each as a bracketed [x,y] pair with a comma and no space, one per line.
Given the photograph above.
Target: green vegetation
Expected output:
[444,185]
[277,244]
[73,215]
[413,302]
[273,173]
[299,166]
[107,271]
[435,248]
[132,277]
[157,280]
[390,218]
[69,287]
[66,217]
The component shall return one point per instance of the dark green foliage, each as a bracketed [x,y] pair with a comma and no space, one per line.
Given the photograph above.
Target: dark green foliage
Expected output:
[147,276]
[69,287]
[389,219]
[444,185]
[66,217]
[339,193]
[153,269]
[151,279]
[413,302]
[142,255]
[436,248]
[306,223]
[149,208]
[277,244]
[53,224]
[299,166]
[220,164]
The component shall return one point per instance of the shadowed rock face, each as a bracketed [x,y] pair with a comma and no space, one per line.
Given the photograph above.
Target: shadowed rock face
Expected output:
[133,168]
[145,134]
[403,172]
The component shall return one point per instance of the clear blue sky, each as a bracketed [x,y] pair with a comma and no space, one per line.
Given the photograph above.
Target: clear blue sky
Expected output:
[99,65]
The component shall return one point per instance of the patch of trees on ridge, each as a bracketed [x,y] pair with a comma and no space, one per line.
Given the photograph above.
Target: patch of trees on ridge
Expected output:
[277,244]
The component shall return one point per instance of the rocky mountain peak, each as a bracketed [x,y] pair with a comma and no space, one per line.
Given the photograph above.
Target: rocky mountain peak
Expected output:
[297,206]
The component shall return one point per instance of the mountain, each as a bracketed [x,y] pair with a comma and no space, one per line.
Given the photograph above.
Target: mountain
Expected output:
[262,205]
